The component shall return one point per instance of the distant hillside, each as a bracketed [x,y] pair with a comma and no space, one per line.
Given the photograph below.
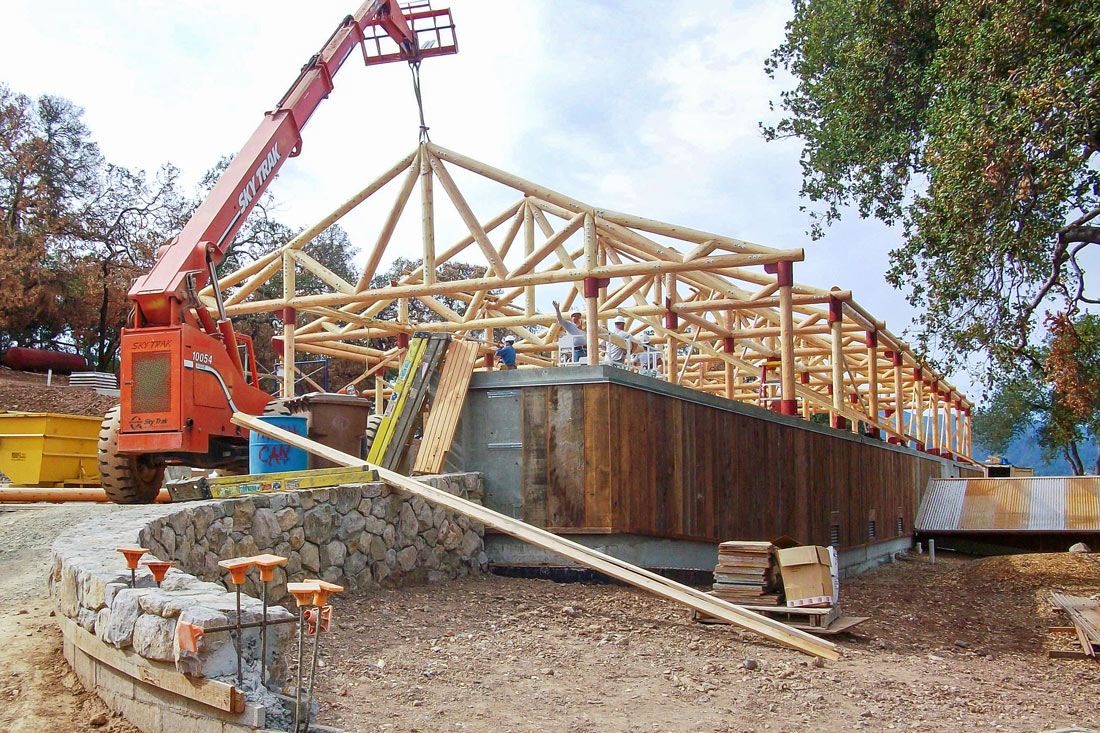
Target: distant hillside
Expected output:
[1025,451]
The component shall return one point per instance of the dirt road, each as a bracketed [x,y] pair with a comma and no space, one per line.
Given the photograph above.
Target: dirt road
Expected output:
[38,691]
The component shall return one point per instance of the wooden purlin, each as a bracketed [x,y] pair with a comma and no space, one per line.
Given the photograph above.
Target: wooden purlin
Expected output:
[722,295]
[611,566]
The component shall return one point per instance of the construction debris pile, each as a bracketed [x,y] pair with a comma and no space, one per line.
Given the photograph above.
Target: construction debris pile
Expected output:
[1084,613]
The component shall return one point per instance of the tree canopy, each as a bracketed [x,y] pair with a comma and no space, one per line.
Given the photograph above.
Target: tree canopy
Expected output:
[1059,397]
[975,126]
[75,230]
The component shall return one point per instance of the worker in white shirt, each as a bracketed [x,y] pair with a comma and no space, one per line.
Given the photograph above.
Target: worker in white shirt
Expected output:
[618,344]
[574,327]
[648,360]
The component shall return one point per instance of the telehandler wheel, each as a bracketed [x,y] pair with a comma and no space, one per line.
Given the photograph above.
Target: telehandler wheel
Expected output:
[126,479]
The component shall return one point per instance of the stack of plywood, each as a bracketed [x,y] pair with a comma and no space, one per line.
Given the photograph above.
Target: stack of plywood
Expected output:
[746,573]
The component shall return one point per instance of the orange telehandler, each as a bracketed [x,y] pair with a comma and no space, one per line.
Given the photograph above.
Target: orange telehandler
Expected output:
[183,374]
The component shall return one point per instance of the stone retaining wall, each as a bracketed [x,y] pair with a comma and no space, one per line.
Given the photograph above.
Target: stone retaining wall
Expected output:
[361,536]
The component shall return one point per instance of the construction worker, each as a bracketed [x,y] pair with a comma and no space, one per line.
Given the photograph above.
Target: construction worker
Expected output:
[507,352]
[648,360]
[575,328]
[618,345]
[351,390]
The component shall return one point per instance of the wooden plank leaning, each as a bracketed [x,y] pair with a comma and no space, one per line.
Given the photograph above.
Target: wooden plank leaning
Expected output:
[613,567]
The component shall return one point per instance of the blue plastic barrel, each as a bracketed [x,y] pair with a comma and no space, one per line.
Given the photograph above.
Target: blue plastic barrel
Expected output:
[267,455]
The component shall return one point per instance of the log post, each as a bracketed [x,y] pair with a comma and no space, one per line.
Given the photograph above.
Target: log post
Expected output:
[899,394]
[958,426]
[379,395]
[427,217]
[591,291]
[836,319]
[784,277]
[528,250]
[949,424]
[872,379]
[289,322]
[918,404]
[966,427]
[727,347]
[935,443]
[672,322]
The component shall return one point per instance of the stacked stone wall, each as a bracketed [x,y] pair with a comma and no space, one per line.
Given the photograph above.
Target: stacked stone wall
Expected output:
[361,536]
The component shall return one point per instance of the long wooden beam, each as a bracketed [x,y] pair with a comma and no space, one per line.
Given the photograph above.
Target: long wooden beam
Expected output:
[611,566]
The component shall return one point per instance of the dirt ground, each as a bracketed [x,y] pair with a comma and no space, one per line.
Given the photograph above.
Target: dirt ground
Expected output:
[38,691]
[27,391]
[960,645]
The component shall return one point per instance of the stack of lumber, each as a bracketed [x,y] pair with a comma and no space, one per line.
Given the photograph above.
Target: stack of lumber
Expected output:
[1085,615]
[746,573]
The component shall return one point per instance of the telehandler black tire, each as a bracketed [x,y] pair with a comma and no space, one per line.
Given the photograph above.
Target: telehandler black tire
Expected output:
[126,479]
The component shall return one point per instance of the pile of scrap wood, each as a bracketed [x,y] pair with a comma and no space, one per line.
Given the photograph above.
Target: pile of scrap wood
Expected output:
[1085,615]
[746,573]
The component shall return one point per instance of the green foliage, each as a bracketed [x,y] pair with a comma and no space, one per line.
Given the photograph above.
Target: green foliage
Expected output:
[1058,394]
[973,124]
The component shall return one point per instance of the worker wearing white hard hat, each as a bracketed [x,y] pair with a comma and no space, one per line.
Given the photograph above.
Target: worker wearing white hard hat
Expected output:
[619,342]
[648,359]
[507,352]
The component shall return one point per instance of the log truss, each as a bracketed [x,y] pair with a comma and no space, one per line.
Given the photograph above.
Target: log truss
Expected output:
[726,314]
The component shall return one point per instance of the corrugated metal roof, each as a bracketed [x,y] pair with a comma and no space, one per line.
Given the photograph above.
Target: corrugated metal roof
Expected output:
[1024,504]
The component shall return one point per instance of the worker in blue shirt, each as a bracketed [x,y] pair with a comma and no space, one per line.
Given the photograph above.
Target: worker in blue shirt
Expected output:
[507,352]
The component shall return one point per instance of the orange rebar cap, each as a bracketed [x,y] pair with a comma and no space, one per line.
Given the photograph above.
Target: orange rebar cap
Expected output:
[303,592]
[132,555]
[159,568]
[325,589]
[237,567]
[188,635]
[311,619]
[267,564]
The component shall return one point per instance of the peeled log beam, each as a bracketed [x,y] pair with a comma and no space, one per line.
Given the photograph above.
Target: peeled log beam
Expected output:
[535,278]
[618,569]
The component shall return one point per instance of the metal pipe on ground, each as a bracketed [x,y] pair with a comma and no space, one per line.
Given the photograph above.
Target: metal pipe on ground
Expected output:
[28,494]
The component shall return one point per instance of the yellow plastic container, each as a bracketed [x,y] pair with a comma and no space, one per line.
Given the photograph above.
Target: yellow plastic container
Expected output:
[46,449]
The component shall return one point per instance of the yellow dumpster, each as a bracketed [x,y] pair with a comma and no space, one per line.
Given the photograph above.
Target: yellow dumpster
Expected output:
[46,449]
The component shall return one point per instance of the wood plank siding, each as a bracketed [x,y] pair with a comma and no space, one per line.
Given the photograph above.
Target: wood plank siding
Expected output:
[606,457]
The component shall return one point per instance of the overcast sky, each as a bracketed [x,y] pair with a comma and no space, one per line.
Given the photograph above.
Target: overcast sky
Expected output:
[646,107]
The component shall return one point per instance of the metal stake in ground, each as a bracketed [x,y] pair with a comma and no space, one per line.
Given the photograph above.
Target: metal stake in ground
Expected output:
[238,570]
[132,555]
[267,565]
[304,594]
[323,614]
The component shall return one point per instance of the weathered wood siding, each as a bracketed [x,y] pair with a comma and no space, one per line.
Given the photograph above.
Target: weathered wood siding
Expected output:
[612,458]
